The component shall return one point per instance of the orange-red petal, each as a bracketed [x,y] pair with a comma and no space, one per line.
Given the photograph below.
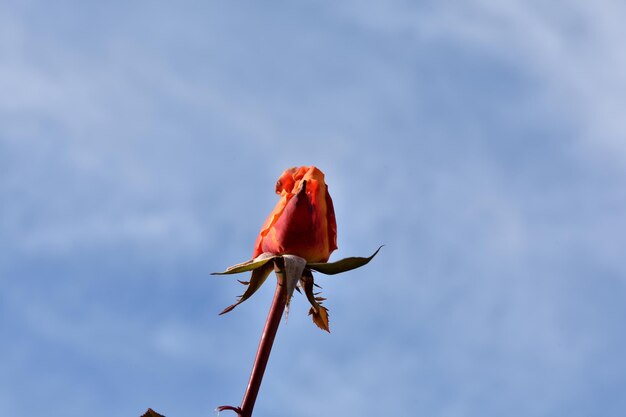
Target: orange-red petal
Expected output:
[303,221]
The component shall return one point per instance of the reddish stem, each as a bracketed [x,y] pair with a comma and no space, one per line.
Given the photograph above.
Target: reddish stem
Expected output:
[265,347]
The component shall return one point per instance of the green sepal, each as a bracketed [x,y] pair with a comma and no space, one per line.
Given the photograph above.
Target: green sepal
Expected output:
[342,265]
[250,265]
[259,275]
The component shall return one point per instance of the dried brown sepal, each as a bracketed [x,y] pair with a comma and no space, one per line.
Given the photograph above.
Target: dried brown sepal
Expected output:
[320,317]
[318,312]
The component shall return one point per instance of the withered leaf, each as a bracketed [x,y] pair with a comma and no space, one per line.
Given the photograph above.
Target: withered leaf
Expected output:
[151,413]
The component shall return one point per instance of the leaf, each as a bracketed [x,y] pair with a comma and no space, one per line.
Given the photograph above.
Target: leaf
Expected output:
[259,275]
[151,413]
[343,265]
[250,265]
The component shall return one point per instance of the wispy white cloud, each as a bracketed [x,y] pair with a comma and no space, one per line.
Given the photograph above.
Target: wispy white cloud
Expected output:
[572,49]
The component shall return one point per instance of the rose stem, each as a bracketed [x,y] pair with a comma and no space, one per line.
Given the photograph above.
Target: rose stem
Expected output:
[265,345]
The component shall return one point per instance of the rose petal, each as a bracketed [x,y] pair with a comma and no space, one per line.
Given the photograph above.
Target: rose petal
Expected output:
[303,221]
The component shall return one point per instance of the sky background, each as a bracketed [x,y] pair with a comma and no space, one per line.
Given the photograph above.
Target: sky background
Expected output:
[483,142]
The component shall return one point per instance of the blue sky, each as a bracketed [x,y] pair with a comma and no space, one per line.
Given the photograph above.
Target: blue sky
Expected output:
[482,141]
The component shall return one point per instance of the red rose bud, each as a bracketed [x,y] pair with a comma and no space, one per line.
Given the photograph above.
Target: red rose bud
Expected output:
[296,239]
[303,221]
